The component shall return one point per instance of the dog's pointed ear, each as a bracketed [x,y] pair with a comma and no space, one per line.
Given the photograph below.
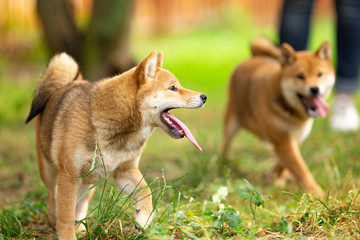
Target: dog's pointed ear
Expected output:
[160,59]
[147,68]
[288,54]
[324,51]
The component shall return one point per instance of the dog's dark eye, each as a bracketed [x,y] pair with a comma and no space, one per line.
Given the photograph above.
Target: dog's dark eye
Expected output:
[301,76]
[319,74]
[173,88]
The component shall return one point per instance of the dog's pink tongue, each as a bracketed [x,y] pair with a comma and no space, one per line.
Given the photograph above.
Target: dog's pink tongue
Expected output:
[321,105]
[185,129]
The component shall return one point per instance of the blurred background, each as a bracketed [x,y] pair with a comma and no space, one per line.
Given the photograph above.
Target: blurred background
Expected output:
[35,30]
[202,42]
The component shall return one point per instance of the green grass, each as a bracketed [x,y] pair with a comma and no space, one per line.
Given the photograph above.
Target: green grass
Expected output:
[191,199]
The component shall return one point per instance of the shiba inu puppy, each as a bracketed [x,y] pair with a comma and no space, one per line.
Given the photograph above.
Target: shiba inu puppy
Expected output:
[118,114]
[275,95]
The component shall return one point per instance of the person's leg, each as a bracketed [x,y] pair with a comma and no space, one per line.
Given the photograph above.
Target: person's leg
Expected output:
[345,115]
[348,45]
[295,23]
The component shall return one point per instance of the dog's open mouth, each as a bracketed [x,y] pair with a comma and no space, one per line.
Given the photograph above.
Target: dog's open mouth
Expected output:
[315,105]
[178,128]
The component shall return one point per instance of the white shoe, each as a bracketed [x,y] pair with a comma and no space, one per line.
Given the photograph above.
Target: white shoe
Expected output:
[344,115]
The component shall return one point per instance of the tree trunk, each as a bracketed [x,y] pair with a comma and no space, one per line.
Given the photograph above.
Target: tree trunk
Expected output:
[104,48]
[59,27]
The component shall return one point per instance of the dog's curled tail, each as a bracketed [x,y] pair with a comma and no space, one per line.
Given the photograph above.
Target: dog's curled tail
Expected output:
[261,46]
[61,71]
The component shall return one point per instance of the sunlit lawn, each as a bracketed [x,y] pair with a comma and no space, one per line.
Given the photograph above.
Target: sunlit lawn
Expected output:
[202,60]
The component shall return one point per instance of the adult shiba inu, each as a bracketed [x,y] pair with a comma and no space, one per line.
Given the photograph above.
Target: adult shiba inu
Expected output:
[118,114]
[275,95]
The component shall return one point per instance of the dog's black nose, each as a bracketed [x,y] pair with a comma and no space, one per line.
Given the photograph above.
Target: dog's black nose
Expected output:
[314,91]
[203,97]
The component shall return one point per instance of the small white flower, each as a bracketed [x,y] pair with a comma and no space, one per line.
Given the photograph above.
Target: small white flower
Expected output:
[222,206]
[220,194]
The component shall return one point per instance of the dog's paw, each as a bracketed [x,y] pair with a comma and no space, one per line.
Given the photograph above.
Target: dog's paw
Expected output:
[279,180]
[80,228]
[316,191]
[143,218]
[138,229]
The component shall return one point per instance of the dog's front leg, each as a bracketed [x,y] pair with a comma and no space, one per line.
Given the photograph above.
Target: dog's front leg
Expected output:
[66,205]
[134,185]
[278,175]
[290,158]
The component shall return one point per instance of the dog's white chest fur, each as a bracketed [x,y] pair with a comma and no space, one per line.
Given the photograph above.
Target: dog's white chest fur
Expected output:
[302,133]
[114,158]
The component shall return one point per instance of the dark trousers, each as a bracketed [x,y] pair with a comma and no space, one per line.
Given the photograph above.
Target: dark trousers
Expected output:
[294,30]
